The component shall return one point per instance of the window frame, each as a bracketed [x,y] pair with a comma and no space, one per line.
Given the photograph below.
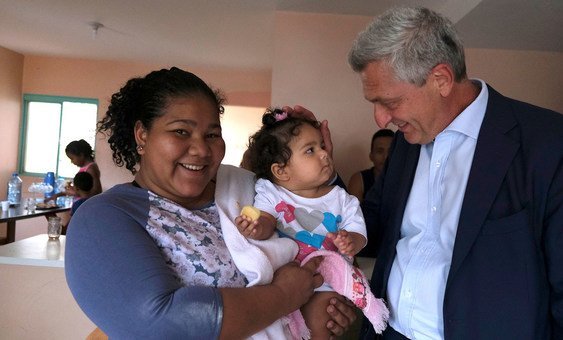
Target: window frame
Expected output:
[30,97]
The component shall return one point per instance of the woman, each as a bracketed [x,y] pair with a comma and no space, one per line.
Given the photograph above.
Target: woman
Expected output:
[153,258]
[81,154]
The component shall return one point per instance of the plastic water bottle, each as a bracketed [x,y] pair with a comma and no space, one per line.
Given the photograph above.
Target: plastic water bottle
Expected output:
[15,189]
[60,185]
[50,179]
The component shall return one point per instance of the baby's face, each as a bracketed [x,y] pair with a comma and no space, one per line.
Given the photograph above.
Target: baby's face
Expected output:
[310,166]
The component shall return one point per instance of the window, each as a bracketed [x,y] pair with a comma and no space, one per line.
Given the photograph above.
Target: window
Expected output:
[49,124]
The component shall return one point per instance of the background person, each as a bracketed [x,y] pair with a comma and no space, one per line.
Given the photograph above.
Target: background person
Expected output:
[473,226]
[150,259]
[362,181]
[81,154]
[83,184]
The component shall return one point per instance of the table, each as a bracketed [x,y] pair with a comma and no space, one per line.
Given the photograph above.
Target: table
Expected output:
[38,250]
[35,301]
[19,212]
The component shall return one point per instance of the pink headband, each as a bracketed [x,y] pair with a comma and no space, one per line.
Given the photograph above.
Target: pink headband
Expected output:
[280,115]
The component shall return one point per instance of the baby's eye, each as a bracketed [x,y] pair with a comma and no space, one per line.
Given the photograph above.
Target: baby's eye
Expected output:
[309,151]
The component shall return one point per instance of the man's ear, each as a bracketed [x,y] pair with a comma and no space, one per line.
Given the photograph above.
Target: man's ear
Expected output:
[279,172]
[442,75]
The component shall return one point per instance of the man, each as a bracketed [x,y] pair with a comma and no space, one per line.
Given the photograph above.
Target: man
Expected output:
[470,202]
[361,181]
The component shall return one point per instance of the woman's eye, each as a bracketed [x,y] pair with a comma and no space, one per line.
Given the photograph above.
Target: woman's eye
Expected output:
[181,132]
[214,135]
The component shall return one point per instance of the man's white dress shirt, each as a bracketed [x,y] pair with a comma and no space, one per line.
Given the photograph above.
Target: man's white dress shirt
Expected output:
[418,277]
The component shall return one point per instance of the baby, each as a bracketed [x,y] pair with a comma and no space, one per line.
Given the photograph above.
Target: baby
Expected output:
[293,197]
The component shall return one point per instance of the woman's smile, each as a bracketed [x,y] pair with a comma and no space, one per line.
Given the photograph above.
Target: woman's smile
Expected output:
[192,167]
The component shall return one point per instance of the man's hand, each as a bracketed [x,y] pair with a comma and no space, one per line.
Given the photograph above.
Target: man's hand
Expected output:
[300,111]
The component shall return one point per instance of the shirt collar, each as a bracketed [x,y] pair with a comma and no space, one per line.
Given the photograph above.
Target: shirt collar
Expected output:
[468,122]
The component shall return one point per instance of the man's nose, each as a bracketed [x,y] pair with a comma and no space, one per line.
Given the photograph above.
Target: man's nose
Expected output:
[381,116]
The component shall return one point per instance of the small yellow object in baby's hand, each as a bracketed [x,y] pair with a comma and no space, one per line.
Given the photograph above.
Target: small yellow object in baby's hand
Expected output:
[250,212]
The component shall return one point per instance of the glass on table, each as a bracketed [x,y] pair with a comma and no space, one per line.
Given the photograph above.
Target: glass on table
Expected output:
[54,227]
[31,204]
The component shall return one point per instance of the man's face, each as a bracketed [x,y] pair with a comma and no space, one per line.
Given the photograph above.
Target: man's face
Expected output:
[379,152]
[414,110]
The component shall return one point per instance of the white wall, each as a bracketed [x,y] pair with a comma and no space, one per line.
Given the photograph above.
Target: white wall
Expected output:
[310,69]
[531,76]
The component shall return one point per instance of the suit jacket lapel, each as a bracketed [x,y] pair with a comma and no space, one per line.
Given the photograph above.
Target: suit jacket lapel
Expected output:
[493,155]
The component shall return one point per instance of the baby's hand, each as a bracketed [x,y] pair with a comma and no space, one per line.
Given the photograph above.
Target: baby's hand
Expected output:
[247,227]
[347,243]
[255,224]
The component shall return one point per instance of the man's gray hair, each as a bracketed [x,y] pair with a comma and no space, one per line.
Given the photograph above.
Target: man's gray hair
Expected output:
[412,41]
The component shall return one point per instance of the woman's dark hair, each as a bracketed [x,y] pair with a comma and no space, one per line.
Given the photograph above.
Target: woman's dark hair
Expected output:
[145,99]
[271,143]
[80,148]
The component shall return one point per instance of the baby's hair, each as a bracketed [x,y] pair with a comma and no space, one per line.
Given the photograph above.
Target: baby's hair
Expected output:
[271,143]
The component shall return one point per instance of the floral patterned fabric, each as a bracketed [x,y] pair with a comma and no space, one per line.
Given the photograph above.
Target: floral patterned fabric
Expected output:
[192,243]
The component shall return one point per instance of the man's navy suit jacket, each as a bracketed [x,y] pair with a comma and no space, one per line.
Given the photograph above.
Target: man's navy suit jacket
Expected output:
[506,276]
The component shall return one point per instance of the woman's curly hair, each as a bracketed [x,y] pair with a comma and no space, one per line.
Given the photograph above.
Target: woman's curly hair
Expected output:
[271,143]
[145,99]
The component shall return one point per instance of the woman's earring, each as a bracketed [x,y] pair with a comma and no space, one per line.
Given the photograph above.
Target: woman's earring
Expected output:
[139,148]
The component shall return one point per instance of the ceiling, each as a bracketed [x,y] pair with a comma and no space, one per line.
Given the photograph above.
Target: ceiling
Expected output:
[239,33]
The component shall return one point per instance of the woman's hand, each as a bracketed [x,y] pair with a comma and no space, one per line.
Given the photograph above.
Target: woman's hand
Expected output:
[343,314]
[249,310]
[297,283]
